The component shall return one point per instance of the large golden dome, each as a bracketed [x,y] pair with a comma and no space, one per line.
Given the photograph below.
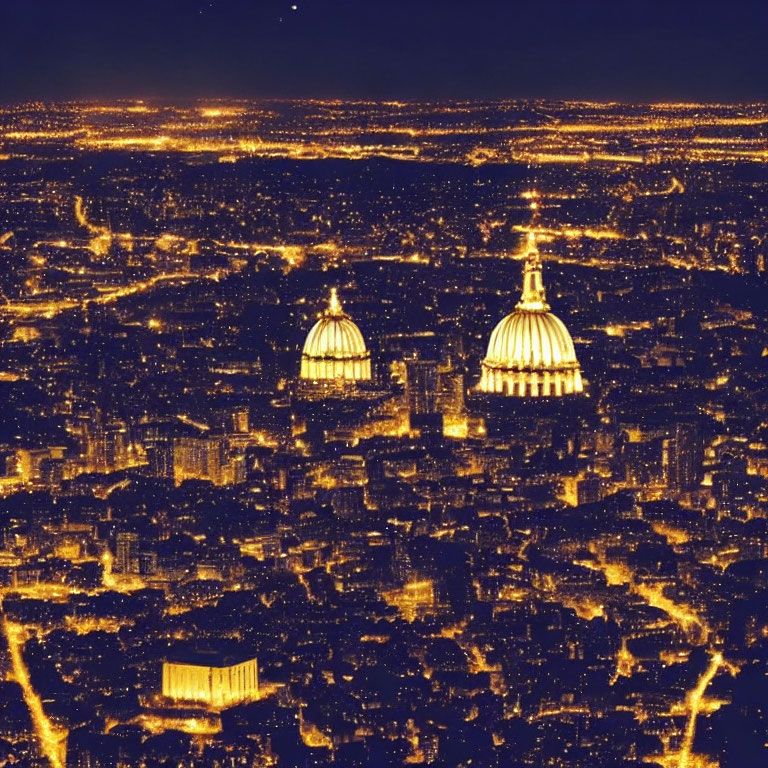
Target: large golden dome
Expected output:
[335,349]
[531,353]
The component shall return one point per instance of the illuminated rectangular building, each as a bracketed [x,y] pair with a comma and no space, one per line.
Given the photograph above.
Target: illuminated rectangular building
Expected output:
[211,679]
[198,459]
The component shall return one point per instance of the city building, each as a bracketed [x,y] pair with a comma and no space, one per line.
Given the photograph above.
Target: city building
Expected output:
[127,560]
[210,678]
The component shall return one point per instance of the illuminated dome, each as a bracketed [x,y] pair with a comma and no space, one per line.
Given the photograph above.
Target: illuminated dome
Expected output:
[334,351]
[531,353]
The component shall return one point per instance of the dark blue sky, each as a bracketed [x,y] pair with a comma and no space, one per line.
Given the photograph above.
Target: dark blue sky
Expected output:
[647,49]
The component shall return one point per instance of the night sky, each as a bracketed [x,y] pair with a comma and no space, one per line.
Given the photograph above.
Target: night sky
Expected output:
[172,49]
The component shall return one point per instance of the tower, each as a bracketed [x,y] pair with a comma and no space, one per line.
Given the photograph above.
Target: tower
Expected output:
[422,386]
[683,456]
[127,560]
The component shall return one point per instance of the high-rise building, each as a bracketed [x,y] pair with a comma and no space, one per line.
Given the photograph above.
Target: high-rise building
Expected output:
[233,420]
[589,489]
[157,439]
[106,443]
[160,456]
[348,502]
[683,456]
[148,563]
[115,445]
[422,386]
[422,392]
[206,458]
[643,461]
[450,391]
[127,559]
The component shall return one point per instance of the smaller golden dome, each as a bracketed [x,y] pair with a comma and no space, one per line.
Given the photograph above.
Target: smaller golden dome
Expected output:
[335,349]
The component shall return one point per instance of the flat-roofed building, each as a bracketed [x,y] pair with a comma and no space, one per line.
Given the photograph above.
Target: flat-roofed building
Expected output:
[212,678]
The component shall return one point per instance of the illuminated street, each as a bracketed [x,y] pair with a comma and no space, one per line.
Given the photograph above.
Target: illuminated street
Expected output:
[53,740]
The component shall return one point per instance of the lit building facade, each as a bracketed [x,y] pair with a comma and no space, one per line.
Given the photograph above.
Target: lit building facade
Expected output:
[211,680]
[127,560]
[422,386]
[206,458]
[531,353]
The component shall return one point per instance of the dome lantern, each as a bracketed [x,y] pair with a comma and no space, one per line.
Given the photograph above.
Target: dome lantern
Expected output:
[334,305]
[534,297]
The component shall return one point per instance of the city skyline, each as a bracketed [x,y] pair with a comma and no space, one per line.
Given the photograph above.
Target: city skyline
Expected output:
[298,465]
